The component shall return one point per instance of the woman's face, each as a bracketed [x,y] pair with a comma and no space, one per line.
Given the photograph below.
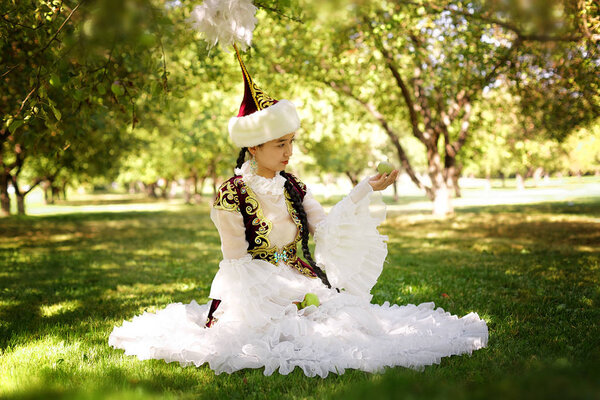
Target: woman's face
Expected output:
[272,157]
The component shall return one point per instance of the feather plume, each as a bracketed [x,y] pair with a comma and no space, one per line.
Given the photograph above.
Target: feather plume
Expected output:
[226,22]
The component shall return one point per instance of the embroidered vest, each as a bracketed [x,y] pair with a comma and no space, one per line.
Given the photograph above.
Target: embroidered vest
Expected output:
[234,195]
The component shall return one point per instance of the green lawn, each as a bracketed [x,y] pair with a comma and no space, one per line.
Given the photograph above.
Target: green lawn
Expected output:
[531,271]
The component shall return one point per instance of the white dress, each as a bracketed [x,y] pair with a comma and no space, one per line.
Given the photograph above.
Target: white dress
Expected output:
[259,326]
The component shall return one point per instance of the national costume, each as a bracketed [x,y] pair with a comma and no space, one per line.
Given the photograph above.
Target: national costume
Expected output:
[252,320]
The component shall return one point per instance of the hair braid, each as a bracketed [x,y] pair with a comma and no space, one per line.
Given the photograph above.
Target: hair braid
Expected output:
[241,157]
[297,204]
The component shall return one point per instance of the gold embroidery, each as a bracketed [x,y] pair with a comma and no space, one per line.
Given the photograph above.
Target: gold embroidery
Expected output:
[267,252]
[263,225]
[261,99]
[227,198]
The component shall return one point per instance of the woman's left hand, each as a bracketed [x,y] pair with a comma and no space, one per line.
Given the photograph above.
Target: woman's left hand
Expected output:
[382,181]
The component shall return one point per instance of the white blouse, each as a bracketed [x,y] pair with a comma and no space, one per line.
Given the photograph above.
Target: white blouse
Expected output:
[270,195]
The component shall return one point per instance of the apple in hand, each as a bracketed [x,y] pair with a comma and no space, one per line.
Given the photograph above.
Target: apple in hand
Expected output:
[385,167]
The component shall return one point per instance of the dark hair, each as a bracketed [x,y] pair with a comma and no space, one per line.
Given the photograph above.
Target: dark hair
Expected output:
[241,158]
[299,207]
[297,204]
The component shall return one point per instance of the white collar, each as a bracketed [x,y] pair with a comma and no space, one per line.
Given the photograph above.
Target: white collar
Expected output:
[260,184]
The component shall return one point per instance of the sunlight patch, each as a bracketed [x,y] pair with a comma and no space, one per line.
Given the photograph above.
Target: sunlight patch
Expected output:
[152,252]
[59,308]
[49,352]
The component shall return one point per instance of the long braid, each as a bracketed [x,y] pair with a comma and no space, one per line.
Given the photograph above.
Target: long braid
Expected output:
[241,157]
[297,204]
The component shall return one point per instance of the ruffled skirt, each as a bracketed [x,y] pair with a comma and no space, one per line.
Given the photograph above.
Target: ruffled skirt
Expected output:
[259,326]
[344,332]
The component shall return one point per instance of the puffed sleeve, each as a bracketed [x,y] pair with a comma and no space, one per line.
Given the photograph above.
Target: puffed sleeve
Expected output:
[315,213]
[230,225]
[348,245]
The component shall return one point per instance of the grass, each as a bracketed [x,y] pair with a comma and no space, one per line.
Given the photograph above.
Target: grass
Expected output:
[531,271]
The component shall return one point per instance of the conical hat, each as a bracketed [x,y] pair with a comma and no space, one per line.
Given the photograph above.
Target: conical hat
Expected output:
[261,118]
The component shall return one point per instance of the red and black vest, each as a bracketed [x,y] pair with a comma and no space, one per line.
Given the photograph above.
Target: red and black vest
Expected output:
[235,196]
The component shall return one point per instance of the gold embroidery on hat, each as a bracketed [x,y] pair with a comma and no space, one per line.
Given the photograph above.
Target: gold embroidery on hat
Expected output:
[261,99]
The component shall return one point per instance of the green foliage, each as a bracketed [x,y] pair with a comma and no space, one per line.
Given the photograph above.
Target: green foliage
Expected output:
[95,87]
[504,143]
[74,71]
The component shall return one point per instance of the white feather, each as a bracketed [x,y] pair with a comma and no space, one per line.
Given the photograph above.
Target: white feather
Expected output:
[225,22]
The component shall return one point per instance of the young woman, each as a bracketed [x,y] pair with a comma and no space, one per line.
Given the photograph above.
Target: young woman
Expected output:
[264,216]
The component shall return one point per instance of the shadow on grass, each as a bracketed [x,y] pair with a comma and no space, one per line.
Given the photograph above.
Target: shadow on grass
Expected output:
[58,270]
[530,270]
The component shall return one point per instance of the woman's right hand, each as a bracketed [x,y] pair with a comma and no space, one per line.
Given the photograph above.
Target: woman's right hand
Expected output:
[382,181]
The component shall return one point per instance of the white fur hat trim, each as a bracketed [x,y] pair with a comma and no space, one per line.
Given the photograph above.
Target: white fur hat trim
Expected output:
[267,124]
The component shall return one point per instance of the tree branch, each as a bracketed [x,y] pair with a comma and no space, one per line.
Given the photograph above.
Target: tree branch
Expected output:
[389,131]
[389,61]
[486,17]
[61,26]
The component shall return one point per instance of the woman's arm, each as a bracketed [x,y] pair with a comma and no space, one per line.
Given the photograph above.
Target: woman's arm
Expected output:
[315,212]
[230,225]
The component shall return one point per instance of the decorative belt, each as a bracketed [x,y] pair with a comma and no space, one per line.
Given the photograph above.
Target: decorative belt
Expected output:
[288,255]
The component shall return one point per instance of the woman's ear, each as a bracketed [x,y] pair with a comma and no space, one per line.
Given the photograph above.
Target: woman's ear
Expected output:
[252,150]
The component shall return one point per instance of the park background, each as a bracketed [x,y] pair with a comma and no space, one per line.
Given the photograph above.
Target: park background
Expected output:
[114,139]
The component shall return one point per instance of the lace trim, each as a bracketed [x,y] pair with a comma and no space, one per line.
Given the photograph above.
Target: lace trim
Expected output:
[260,184]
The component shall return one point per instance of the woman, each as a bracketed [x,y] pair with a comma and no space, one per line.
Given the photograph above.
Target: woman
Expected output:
[254,319]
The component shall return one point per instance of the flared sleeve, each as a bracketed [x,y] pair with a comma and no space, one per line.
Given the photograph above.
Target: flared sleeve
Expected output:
[348,245]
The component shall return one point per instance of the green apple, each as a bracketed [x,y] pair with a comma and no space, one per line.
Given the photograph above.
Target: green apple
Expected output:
[385,167]
[310,299]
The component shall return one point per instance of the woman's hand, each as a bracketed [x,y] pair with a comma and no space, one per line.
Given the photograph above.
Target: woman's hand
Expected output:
[382,181]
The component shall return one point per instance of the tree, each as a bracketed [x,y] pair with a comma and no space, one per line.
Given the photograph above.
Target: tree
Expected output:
[72,66]
[427,63]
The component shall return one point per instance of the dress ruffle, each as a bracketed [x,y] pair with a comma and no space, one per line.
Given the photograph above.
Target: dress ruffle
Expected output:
[260,184]
[258,325]
[343,332]
[349,247]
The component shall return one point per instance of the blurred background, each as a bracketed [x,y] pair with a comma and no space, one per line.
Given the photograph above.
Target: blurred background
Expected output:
[122,97]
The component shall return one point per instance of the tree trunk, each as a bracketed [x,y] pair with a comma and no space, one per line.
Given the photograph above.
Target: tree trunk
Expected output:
[537,176]
[520,181]
[194,178]
[64,190]
[396,198]
[52,190]
[451,175]
[442,203]
[455,176]
[4,198]
[352,178]
[151,189]
[440,193]
[187,192]
[165,190]
[20,203]
[45,187]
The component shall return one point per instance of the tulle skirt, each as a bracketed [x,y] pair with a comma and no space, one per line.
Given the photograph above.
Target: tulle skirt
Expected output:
[259,326]
[345,331]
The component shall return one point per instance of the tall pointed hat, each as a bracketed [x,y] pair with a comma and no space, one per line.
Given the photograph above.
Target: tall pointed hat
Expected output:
[261,118]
